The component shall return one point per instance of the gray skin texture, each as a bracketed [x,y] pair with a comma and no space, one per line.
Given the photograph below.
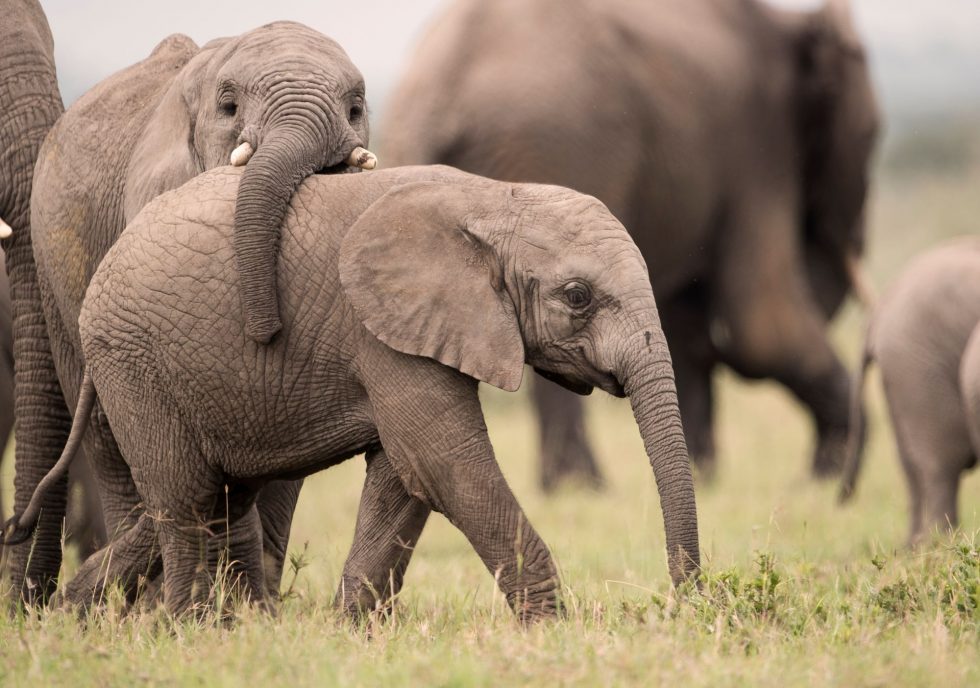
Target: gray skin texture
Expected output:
[730,138]
[29,105]
[84,526]
[289,91]
[400,290]
[923,337]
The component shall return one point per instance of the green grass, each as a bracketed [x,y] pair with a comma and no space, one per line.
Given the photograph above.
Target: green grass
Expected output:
[797,591]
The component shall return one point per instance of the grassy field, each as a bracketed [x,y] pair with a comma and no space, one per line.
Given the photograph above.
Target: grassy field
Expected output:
[797,590]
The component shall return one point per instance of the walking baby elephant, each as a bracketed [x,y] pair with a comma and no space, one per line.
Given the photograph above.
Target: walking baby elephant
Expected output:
[400,291]
[925,338]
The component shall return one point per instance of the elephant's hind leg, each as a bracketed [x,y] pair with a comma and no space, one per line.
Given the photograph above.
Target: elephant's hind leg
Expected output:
[939,496]
[389,523]
[236,550]
[276,503]
[130,561]
[180,488]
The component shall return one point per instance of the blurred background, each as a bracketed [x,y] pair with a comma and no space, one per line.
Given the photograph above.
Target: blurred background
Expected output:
[925,60]
[925,56]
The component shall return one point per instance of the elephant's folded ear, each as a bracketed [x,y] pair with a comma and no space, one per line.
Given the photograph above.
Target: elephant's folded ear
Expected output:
[427,285]
[164,156]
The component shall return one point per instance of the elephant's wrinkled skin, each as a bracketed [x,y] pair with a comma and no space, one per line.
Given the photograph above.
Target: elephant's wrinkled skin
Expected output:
[285,89]
[400,290]
[731,139]
[29,105]
[924,337]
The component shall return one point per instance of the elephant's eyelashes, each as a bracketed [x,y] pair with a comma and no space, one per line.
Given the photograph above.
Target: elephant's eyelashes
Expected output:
[578,295]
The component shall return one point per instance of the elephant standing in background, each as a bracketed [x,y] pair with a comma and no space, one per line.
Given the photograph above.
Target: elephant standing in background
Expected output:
[400,291]
[926,340]
[731,138]
[283,98]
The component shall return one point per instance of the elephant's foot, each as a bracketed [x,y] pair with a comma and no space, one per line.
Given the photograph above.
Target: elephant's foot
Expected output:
[359,600]
[830,454]
[536,603]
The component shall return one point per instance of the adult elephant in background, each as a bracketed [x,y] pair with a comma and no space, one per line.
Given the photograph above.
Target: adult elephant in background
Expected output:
[284,92]
[732,139]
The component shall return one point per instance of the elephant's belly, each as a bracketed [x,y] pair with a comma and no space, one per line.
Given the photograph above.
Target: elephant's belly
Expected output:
[290,448]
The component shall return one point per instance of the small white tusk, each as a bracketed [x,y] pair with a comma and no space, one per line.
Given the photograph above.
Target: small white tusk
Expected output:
[240,155]
[5,231]
[363,158]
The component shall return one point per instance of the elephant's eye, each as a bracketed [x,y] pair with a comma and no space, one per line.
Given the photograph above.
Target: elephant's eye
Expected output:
[356,112]
[578,295]
[229,108]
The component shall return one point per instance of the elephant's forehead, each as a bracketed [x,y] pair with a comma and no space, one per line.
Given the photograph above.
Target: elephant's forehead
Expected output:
[286,45]
[576,220]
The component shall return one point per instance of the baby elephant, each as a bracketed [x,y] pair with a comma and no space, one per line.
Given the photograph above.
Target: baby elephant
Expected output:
[400,291]
[925,338]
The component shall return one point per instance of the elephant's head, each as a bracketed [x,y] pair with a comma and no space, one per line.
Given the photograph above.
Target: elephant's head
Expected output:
[838,125]
[284,92]
[487,278]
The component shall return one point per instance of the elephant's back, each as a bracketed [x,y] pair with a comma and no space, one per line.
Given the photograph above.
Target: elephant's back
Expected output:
[77,199]
[929,312]
[970,388]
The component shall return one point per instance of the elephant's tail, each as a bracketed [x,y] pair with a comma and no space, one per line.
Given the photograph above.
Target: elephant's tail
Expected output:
[20,527]
[855,442]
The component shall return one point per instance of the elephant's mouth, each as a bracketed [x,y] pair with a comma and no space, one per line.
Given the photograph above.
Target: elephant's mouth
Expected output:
[607,382]
[339,168]
[610,384]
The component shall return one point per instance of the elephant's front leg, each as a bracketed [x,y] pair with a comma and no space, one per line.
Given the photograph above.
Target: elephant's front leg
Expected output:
[389,523]
[432,428]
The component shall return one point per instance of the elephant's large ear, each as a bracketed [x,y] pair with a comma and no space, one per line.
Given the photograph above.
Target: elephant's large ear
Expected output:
[164,156]
[421,269]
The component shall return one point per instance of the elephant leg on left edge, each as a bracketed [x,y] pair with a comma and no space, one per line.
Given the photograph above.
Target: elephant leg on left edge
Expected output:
[389,523]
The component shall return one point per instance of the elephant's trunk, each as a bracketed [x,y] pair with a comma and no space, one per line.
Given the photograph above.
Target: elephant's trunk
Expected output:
[648,379]
[293,148]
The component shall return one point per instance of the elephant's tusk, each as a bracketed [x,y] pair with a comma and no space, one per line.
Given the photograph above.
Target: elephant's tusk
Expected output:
[863,288]
[240,155]
[5,231]
[363,158]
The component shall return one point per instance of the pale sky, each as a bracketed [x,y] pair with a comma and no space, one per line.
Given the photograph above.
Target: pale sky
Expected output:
[925,53]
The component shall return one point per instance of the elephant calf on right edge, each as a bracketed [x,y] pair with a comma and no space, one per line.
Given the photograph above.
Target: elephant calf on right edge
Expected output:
[926,340]
[400,290]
